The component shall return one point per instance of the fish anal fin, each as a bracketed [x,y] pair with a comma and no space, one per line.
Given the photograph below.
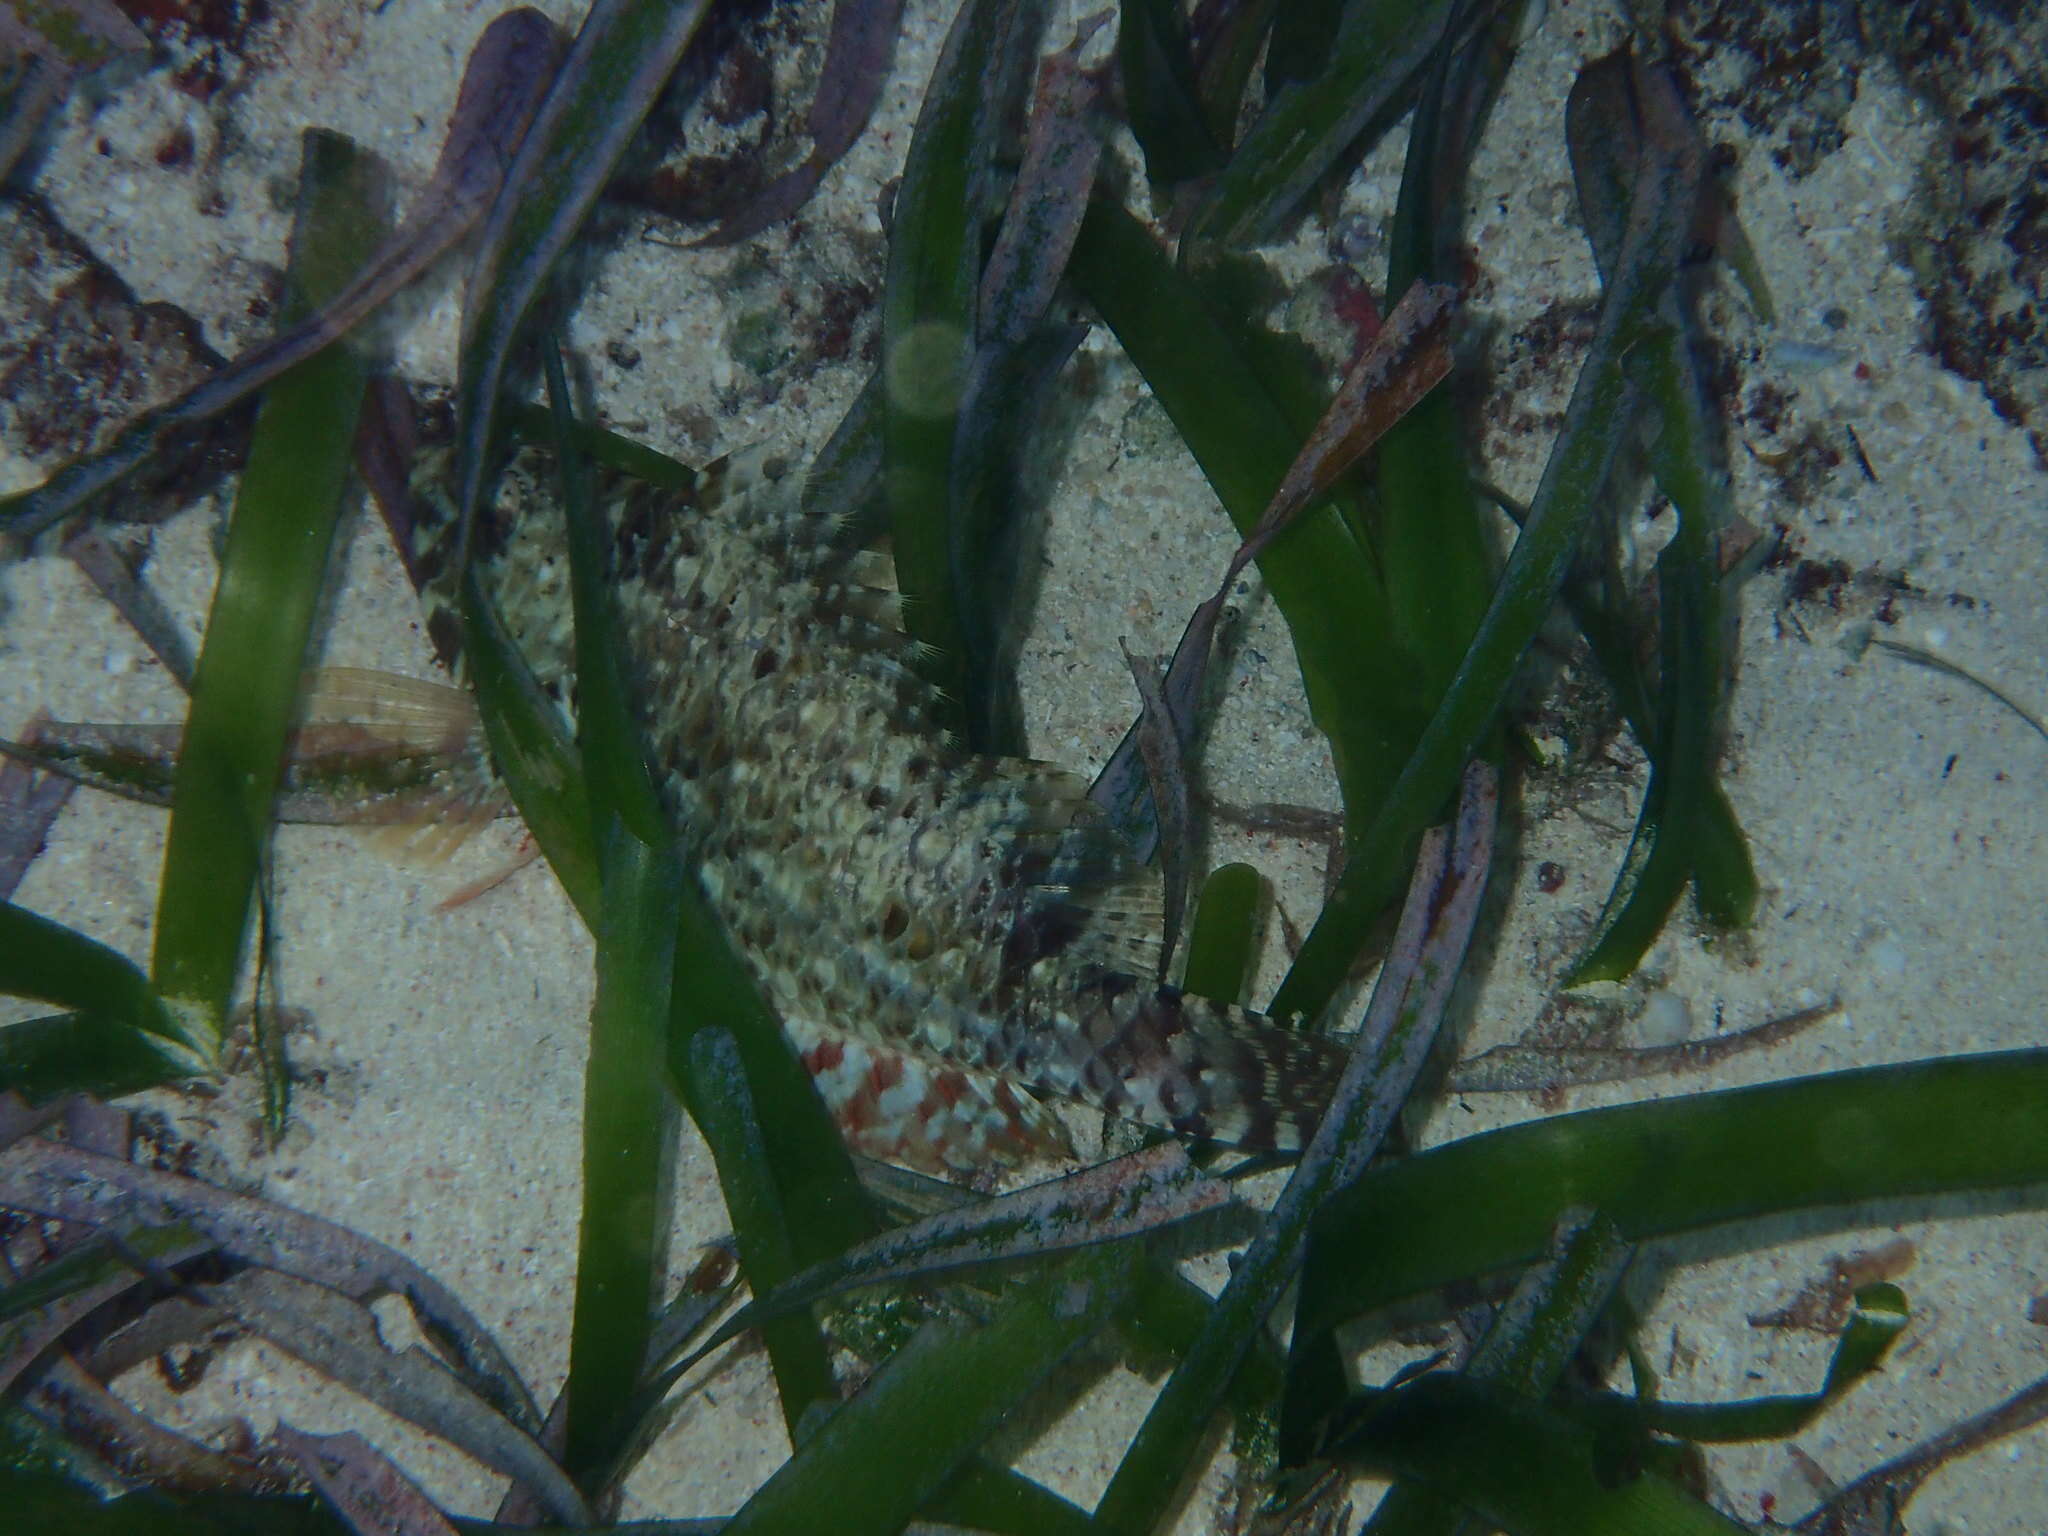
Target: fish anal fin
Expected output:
[930,1116]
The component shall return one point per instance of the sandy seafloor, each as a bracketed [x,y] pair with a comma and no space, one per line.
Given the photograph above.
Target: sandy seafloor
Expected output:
[1896,815]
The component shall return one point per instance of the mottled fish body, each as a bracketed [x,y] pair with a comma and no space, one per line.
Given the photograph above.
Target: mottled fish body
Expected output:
[951,941]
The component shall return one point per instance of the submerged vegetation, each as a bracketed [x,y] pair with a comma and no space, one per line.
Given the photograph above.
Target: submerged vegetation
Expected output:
[1020,220]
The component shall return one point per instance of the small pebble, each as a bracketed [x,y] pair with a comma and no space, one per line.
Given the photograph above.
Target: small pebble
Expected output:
[1666,1020]
[1806,356]
[1356,239]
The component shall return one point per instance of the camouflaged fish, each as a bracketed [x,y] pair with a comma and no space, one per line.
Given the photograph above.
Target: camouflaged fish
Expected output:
[952,942]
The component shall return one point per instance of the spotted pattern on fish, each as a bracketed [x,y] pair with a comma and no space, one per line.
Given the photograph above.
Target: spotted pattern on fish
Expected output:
[952,941]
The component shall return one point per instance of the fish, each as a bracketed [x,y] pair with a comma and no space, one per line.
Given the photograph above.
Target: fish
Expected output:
[956,944]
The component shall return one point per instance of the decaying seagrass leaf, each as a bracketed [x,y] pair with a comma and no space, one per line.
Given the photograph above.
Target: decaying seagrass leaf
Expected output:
[29,803]
[362,1485]
[301,1283]
[1526,1068]
[1141,1192]
[1409,357]
[70,1184]
[857,58]
[338,1337]
[45,1302]
[135,1446]
[1162,746]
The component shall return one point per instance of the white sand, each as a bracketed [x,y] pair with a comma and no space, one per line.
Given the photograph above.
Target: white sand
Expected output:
[1894,813]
